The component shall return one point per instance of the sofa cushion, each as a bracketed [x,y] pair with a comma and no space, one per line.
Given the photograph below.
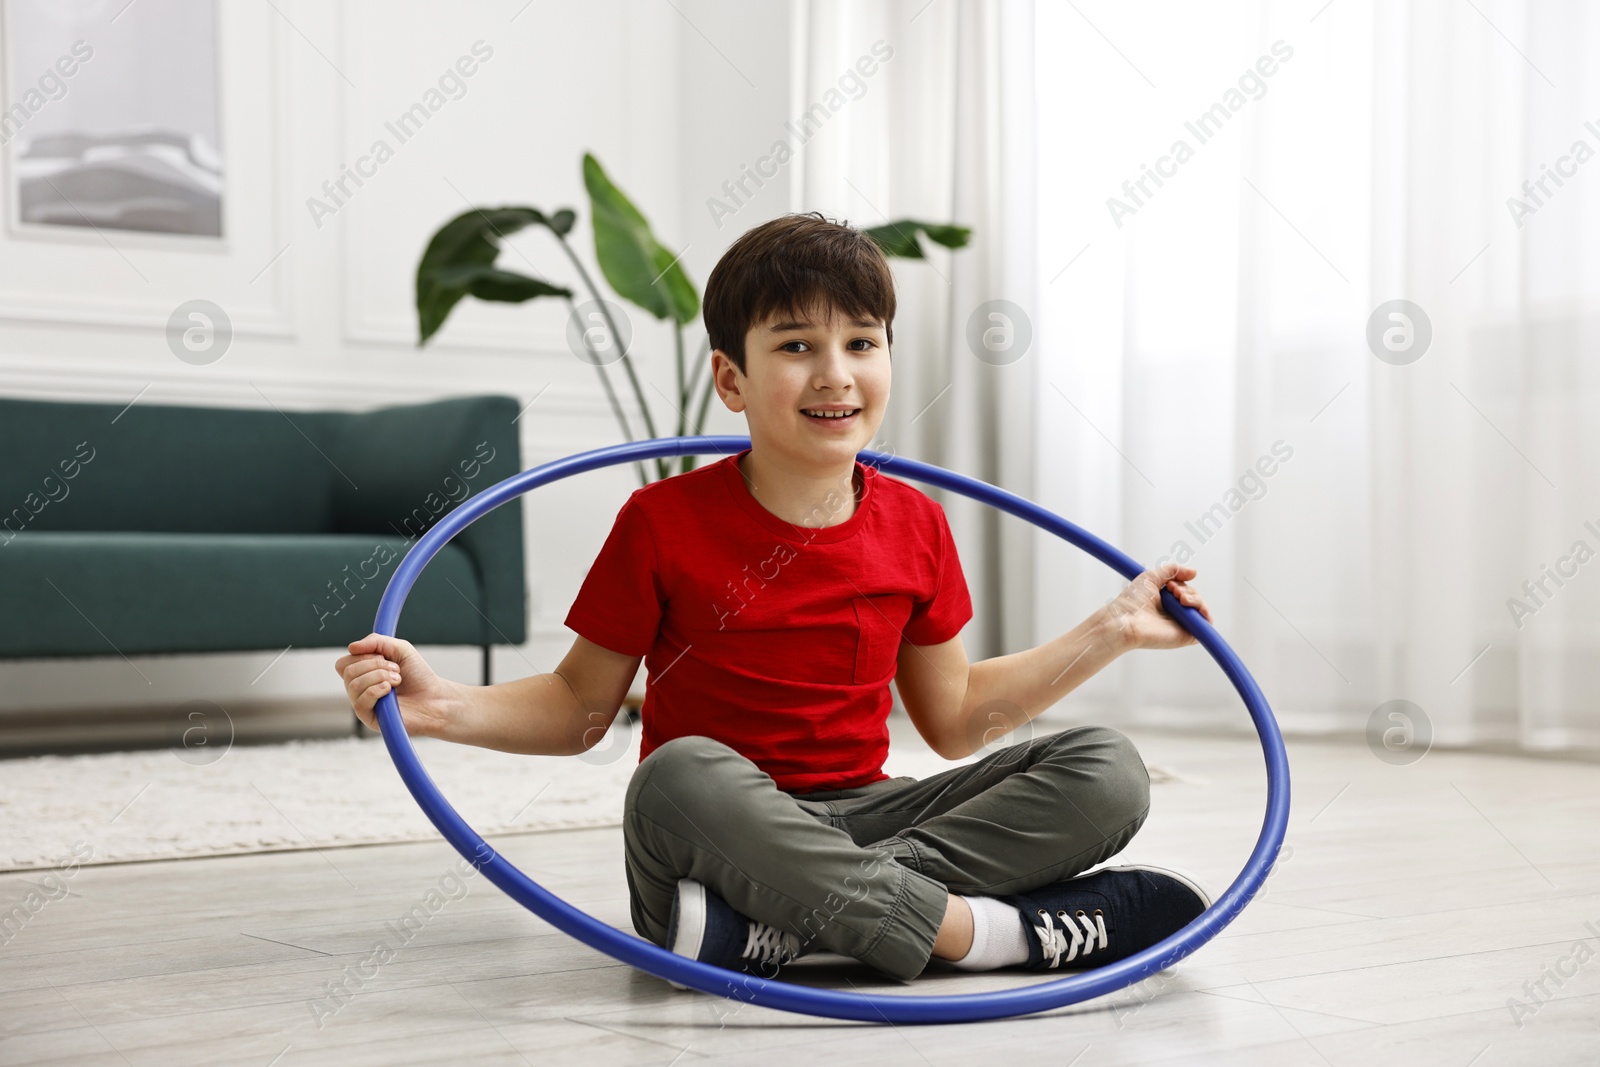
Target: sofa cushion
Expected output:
[170,469]
[97,594]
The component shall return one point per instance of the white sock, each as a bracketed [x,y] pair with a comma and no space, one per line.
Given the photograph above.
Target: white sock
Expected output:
[999,938]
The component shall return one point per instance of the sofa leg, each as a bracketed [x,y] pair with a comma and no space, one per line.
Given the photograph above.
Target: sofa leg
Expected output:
[484,672]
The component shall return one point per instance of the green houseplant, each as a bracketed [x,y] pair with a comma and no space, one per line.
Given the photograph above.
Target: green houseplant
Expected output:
[461,260]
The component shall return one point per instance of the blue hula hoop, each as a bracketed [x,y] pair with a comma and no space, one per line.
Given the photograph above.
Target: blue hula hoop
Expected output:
[785,996]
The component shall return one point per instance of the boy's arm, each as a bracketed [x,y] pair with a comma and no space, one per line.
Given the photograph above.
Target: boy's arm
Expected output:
[959,707]
[562,713]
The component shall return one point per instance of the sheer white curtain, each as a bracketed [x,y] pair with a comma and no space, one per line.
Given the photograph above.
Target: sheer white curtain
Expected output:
[1364,527]
[940,131]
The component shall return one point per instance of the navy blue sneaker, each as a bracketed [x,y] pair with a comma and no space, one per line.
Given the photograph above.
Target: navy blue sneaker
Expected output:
[1105,915]
[705,927]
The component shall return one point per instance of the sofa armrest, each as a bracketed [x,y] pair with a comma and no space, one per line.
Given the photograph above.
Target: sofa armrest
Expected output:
[402,468]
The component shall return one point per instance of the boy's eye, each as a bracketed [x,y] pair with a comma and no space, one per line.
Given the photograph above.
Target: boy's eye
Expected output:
[869,342]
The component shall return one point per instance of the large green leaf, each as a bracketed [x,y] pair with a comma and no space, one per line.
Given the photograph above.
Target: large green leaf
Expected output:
[633,261]
[460,261]
[492,283]
[900,238]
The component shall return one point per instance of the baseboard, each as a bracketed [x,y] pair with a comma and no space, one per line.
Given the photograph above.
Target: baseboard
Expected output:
[190,727]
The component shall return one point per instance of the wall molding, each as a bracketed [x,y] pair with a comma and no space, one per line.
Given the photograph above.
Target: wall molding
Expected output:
[402,333]
[361,324]
[35,308]
[100,380]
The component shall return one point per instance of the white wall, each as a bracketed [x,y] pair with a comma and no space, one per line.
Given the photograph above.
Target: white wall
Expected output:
[672,98]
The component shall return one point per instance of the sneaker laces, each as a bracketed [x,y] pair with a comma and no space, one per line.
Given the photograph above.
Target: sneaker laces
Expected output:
[766,944]
[1086,935]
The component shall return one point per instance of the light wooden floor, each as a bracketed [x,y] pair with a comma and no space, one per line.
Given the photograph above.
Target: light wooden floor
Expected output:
[1416,901]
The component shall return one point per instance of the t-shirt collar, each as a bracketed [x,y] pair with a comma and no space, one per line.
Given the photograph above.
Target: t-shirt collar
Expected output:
[734,479]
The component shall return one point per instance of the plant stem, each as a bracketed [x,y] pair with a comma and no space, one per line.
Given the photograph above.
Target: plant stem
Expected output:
[704,389]
[700,363]
[683,396]
[705,404]
[611,394]
[684,462]
[627,364]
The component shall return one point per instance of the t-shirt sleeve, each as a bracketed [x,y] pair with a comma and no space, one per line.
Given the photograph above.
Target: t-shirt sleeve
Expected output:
[940,618]
[620,602]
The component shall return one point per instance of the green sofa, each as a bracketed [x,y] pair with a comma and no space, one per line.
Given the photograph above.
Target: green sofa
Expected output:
[169,529]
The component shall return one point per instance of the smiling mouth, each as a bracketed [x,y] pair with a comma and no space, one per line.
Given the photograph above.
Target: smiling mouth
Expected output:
[831,416]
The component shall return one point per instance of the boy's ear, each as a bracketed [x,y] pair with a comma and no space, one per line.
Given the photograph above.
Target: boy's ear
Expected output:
[727,397]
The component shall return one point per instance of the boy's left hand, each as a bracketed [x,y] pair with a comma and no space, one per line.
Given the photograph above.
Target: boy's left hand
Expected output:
[1137,618]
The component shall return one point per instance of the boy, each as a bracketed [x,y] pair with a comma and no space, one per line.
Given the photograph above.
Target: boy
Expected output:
[773,595]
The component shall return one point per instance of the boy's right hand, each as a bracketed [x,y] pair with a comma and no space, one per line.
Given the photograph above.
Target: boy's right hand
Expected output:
[376,664]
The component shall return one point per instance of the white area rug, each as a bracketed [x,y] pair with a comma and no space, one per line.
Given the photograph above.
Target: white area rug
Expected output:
[121,806]
[152,804]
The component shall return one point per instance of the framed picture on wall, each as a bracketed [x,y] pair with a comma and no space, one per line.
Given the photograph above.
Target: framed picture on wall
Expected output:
[111,116]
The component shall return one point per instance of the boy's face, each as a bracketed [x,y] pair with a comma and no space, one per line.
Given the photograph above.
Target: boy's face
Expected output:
[793,365]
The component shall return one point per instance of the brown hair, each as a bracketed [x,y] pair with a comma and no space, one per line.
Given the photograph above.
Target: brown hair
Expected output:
[789,265]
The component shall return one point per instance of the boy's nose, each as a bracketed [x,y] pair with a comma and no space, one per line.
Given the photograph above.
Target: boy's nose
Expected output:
[835,366]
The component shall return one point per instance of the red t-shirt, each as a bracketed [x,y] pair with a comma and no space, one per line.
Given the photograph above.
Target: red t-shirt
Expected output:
[777,640]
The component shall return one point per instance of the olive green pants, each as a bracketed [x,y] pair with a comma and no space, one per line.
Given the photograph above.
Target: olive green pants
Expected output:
[864,872]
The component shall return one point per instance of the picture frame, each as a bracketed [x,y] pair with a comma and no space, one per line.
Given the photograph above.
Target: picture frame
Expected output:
[110,118]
